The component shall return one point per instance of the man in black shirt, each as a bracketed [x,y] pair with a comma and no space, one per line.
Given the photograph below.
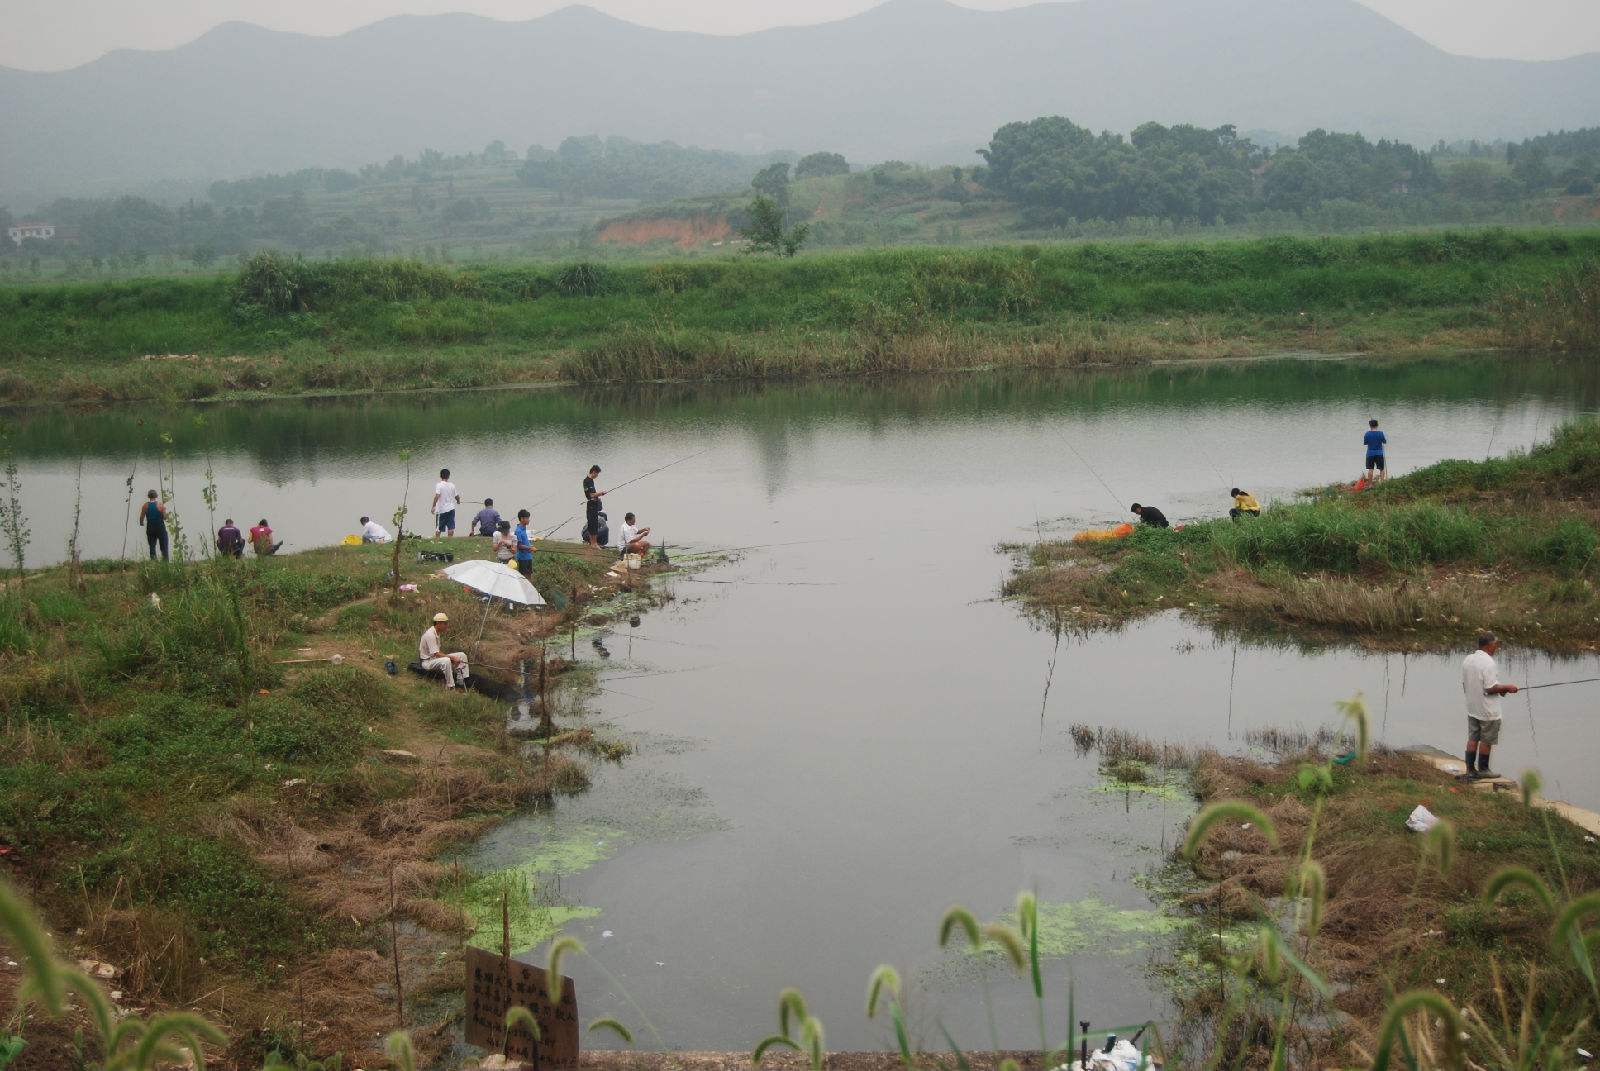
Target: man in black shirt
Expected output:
[1151,516]
[591,505]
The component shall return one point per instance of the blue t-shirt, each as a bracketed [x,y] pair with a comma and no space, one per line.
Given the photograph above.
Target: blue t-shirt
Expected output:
[524,544]
[1374,440]
[153,517]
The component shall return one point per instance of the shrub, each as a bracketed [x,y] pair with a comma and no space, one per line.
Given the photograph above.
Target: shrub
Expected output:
[583,280]
[271,282]
[1568,547]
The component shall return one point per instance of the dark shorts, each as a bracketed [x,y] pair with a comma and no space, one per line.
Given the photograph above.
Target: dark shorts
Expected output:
[447,521]
[525,568]
[1375,461]
[1485,730]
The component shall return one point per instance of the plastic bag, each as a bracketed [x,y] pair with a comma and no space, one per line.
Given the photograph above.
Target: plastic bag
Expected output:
[1421,820]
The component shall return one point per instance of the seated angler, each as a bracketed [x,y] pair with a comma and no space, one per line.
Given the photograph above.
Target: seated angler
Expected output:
[633,537]
[452,665]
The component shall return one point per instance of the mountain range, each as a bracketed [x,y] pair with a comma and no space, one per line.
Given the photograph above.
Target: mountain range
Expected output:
[911,79]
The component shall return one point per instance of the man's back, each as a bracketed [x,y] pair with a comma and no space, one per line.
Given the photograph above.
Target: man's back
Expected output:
[1374,440]
[1478,674]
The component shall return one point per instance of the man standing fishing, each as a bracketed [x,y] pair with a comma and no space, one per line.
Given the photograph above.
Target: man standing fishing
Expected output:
[445,499]
[154,518]
[1374,441]
[591,506]
[524,542]
[1480,685]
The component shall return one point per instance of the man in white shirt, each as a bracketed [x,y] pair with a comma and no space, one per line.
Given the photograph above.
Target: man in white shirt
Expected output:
[633,537]
[453,665]
[445,500]
[1480,685]
[372,531]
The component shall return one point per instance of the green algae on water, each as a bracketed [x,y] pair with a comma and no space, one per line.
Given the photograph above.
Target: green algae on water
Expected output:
[1092,925]
[1132,777]
[534,920]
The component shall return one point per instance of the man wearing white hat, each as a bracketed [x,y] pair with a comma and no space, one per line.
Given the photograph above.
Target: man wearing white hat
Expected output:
[453,665]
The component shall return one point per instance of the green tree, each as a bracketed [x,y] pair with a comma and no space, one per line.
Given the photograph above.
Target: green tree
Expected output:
[772,183]
[763,228]
[1532,171]
[1470,180]
[820,165]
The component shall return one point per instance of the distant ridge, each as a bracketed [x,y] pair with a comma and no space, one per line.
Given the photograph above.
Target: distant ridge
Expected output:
[915,79]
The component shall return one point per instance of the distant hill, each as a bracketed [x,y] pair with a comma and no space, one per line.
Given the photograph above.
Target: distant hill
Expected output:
[915,79]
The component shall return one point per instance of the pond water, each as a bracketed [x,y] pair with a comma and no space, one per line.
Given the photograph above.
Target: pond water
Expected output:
[843,731]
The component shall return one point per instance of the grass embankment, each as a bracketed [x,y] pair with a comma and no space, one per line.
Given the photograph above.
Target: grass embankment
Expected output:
[223,827]
[290,327]
[1418,561]
[1386,911]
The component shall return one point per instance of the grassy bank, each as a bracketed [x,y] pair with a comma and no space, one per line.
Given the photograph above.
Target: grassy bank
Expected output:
[233,819]
[1418,561]
[285,326]
[1331,923]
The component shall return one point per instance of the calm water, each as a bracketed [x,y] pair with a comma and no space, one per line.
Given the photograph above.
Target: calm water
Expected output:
[842,732]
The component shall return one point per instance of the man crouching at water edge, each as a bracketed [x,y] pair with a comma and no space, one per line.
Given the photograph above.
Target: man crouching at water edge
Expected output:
[1480,684]
[1150,515]
[633,537]
[452,665]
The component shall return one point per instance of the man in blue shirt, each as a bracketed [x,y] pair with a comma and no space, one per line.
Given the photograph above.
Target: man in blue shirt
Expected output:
[1374,440]
[524,545]
[486,520]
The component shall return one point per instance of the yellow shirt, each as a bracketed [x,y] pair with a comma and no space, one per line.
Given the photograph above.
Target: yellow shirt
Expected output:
[1247,503]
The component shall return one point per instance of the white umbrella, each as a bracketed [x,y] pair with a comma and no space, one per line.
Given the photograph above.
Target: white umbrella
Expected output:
[495,579]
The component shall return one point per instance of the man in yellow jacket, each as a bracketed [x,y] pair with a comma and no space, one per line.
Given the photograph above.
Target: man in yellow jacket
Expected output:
[1244,504]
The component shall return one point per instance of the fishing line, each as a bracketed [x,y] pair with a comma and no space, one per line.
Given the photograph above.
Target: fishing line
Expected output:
[1092,472]
[1233,671]
[765,583]
[1488,451]
[1385,730]
[1533,727]
[656,673]
[1050,675]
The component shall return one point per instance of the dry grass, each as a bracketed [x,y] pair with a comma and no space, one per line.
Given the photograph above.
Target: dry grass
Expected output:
[1117,747]
[1392,921]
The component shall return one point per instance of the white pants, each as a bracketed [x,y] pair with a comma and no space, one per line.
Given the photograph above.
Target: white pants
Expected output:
[443,665]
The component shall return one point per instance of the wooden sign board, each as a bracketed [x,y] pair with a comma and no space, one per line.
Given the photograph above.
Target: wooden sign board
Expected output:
[492,991]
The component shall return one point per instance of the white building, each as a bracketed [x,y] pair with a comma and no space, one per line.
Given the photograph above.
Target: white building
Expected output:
[19,232]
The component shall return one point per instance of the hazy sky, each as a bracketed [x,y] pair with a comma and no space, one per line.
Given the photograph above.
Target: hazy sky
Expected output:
[52,34]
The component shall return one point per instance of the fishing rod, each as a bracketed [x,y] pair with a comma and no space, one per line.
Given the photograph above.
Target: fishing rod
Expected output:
[652,472]
[1557,684]
[548,532]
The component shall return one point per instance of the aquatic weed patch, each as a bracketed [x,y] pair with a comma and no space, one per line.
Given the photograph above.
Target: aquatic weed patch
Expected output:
[1091,925]
[508,902]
